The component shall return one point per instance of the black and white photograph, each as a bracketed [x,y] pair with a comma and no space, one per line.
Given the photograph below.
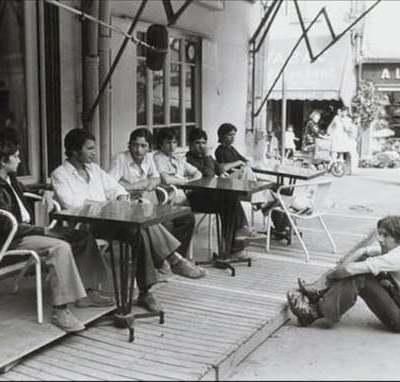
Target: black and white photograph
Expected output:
[199,190]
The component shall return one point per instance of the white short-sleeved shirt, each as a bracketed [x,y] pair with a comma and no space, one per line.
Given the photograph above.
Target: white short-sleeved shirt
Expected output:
[174,166]
[72,190]
[124,167]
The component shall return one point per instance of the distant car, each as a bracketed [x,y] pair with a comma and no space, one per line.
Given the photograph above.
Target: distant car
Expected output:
[386,159]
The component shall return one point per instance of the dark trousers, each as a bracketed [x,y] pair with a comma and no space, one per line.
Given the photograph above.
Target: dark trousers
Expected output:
[379,297]
[211,202]
[182,228]
[145,271]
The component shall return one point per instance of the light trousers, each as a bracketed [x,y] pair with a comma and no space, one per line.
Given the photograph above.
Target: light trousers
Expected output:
[65,281]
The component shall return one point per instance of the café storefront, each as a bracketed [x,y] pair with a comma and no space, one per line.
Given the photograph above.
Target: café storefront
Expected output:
[385,75]
[324,85]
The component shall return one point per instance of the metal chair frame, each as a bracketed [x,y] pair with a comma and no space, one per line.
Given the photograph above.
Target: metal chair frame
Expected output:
[319,196]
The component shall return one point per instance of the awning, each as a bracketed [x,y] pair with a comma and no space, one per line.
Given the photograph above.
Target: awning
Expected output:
[331,77]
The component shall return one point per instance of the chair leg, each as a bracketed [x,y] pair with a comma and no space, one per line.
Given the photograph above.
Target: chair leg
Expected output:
[328,233]
[196,229]
[296,231]
[39,293]
[190,250]
[22,274]
[268,231]
[210,238]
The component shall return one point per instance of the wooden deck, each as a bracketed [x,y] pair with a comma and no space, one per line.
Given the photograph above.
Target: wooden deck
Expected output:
[211,324]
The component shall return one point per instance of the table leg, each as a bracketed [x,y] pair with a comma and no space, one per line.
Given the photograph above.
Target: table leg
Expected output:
[226,229]
[124,317]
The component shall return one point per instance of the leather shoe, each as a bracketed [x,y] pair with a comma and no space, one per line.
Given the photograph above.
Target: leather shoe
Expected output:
[186,269]
[94,299]
[309,291]
[302,308]
[148,301]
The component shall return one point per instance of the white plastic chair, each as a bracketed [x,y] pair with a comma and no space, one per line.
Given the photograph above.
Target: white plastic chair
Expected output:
[34,258]
[103,245]
[320,192]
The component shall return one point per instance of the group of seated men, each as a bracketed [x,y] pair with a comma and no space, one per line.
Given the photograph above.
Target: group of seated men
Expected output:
[76,267]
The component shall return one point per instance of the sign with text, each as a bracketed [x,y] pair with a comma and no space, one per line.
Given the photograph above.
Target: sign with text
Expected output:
[382,74]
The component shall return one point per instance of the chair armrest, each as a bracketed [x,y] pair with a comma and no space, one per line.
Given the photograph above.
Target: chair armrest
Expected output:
[306,184]
[163,195]
[11,234]
[31,195]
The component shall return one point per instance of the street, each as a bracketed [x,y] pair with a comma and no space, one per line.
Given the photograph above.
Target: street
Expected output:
[358,347]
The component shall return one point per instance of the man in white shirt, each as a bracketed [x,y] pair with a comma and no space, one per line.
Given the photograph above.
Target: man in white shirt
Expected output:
[72,257]
[135,170]
[79,179]
[173,169]
[373,273]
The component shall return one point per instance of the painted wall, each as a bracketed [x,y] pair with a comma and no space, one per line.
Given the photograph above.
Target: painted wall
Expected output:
[224,77]
[381,28]
[225,64]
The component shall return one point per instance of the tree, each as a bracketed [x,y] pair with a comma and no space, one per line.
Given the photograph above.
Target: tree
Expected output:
[366,104]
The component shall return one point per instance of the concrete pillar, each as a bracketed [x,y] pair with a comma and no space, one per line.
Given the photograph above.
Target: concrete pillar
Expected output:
[90,72]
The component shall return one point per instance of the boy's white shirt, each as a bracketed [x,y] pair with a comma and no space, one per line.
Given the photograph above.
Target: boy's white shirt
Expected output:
[376,263]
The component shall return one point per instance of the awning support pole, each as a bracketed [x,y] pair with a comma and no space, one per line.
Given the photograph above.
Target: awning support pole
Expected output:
[318,55]
[285,64]
[88,117]
[263,21]
[283,119]
[171,15]
[339,36]
[280,2]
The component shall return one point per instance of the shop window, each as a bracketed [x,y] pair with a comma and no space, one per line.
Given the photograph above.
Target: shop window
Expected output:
[170,97]
[18,81]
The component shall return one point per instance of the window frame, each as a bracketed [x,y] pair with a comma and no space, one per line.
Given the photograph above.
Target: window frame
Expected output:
[183,124]
[32,85]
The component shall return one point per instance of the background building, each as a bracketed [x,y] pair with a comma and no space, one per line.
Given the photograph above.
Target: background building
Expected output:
[52,64]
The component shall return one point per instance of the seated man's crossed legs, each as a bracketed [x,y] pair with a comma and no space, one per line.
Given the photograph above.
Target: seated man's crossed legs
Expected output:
[157,247]
[169,250]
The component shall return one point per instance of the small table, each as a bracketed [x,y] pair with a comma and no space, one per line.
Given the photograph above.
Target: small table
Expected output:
[293,173]
[138,216]
[228,187]
[283,171]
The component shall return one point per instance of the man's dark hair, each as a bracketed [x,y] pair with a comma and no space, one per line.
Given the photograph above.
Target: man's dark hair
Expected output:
[7,148]
[196,134]
[75,139]
[225,129]
[391,224]
[9,142]
[142,132]
[167,134]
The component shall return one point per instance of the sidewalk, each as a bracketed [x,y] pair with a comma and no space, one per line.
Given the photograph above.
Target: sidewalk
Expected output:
[358,348]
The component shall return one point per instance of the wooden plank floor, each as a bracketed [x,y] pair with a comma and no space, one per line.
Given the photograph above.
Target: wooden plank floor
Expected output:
[210,326]
[20,334]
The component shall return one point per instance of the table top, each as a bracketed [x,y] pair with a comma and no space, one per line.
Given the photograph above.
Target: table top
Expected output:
[141,215]
[227,184]
[287,170]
